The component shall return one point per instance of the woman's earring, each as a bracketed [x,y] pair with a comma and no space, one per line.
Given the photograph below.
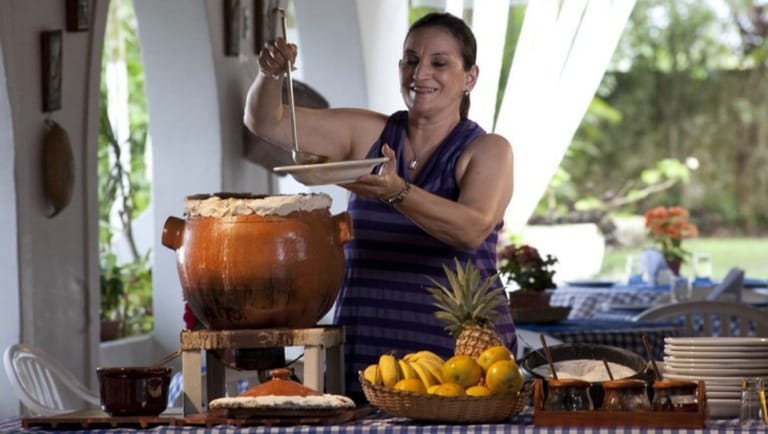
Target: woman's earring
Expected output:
[466,93]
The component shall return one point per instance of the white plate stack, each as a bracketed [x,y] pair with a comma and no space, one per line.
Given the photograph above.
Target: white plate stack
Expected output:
[722,362]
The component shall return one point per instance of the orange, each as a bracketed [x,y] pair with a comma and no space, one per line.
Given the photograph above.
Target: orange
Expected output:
[478,390]
[410,385]
[449,389]
[462,370]
[493,354]
[504,376]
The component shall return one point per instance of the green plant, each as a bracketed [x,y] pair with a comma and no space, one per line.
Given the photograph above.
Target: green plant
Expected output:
[124,191]
[523,265]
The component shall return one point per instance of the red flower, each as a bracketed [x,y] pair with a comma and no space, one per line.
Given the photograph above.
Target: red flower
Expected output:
[190,319]
[668,226]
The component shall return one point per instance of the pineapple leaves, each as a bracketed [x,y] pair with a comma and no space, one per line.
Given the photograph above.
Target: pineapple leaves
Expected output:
[468,300]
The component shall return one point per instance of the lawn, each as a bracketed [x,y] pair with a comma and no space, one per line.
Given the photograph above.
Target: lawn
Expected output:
[750,254]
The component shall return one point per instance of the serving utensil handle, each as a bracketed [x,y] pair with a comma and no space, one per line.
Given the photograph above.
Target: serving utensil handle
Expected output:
[289,76]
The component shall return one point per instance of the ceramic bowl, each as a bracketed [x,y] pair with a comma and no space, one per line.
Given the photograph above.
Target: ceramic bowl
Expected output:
[134,391]
[608,353]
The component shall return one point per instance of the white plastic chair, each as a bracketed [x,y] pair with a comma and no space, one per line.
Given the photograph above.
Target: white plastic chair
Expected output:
[712,317]
[42,384]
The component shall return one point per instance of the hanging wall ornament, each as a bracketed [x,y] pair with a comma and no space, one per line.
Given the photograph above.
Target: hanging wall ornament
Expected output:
[58,167]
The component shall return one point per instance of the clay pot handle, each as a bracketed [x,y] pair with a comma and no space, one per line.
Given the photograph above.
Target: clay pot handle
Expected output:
[343,223]
[173,231]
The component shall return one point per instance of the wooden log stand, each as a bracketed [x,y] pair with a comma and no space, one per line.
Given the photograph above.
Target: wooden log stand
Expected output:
[323,359]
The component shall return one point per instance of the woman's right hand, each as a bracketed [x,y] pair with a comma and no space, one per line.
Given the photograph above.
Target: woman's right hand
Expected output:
[275,57]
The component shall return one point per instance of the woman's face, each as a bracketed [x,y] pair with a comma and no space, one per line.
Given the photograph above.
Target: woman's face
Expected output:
[432,76]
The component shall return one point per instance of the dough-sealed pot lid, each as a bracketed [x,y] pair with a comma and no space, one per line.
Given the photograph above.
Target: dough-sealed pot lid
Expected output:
[240,204]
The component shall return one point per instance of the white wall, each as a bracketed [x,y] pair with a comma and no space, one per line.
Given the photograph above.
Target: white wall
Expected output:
[195,98]
[9,266]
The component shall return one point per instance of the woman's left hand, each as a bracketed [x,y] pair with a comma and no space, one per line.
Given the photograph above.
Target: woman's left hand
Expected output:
[384,185]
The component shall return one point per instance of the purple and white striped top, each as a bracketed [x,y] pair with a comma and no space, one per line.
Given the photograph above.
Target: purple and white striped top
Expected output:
[383,305]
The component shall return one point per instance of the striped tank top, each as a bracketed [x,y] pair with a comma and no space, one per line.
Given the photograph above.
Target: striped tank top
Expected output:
[383,305]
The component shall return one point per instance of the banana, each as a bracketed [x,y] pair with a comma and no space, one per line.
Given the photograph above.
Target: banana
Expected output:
[390,371]
[435,368]
[406,369]
[429,355]
[373,374]
[424,375]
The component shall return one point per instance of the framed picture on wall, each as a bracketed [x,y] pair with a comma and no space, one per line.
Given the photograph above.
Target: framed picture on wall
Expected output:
[232,11]
[51,58]
[77,15]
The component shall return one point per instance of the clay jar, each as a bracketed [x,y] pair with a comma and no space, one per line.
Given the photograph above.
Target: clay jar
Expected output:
[248,261]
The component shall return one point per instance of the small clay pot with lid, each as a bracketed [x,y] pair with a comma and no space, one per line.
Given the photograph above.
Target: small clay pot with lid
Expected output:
[251,261]
[568,395]
[675,395]
[281,384]
[626,395]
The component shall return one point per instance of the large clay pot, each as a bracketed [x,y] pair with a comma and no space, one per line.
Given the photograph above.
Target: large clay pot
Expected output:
[259,261]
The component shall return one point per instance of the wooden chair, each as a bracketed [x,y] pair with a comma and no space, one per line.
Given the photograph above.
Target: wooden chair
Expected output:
[42,384]
[712,318]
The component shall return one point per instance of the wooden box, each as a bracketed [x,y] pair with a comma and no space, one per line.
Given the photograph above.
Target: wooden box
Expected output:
[601,418]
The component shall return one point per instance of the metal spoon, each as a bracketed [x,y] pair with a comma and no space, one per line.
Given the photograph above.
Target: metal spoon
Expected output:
[299,157]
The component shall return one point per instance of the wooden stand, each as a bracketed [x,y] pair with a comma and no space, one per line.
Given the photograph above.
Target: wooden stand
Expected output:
[323,359]
[603,418]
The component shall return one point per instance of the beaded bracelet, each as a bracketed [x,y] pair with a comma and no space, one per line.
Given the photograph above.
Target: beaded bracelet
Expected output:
[399,197]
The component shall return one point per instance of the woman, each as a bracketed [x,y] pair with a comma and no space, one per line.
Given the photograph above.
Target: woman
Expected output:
[441,195]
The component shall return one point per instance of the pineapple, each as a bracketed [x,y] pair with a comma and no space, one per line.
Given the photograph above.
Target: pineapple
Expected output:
[469,307]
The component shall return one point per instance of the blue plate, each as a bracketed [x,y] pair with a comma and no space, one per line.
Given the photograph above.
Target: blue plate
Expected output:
[592,283]
[755,283]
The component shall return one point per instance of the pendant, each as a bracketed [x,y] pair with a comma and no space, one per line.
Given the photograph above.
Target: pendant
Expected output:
[413,164]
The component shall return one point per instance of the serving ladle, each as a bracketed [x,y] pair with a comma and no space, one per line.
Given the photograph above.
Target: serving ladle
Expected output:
[299,157]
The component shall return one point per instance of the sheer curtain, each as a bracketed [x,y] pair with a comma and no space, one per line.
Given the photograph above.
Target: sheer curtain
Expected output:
[561,55]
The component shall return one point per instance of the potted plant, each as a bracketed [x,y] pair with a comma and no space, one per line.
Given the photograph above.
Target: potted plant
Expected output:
[667,226]
[523,266]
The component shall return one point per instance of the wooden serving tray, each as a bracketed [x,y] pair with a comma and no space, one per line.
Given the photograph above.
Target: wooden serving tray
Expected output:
[96,418]
[601,418]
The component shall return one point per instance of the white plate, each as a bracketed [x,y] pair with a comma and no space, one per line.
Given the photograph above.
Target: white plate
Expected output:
[715,372]
[725,349]
[729,382]
[716,354]
[718,341]
[337,172]
[723,395]
[684,362]
[723,408]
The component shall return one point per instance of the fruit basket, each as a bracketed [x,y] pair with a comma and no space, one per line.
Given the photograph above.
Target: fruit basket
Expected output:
[460,409]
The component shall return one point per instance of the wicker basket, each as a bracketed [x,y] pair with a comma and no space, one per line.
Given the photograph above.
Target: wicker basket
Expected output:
[469,409]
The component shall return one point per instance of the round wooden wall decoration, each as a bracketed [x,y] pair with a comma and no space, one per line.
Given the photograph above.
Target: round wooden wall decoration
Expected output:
[58,167]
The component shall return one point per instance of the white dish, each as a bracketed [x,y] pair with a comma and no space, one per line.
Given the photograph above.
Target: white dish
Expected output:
[721,371]
[725,349]
[682,362]
[716,354]
[717,341]
[723,408]
[337,172]
[723,395]
[715,381]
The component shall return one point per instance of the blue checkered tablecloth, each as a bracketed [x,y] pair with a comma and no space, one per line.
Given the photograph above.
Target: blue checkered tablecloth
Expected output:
[617,333]
[588,302]
[383,424]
